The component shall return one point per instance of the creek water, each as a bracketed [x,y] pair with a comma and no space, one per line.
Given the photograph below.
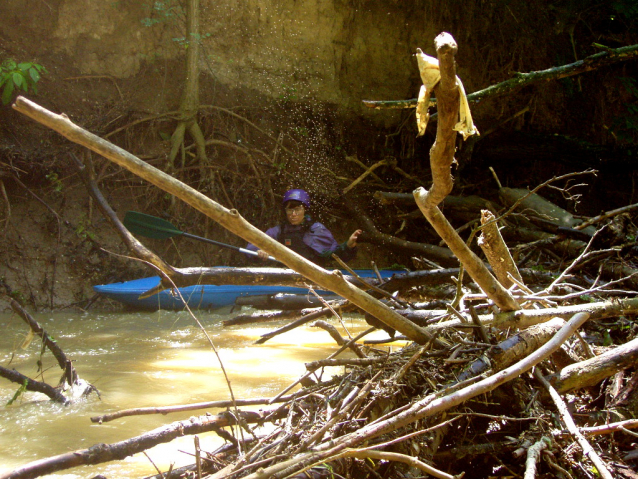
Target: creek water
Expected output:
[136,360]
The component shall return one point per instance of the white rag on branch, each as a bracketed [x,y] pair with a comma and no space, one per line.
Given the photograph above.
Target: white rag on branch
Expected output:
[430,75]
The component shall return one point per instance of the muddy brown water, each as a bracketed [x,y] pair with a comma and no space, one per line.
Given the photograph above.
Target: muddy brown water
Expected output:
[142,360]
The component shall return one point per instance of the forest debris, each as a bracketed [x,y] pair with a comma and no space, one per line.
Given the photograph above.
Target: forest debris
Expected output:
[332,331]
[384,162]
[144,411]
[565,415]
[372,235]
[496,251]
[102,453]
[514,348]
[590,63]
[534,456]
[282,301]
[426,407]
[547,210]
[605,428]
[524,318]
[592,371]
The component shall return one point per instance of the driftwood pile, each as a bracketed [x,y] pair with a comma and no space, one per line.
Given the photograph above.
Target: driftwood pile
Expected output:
[519,373]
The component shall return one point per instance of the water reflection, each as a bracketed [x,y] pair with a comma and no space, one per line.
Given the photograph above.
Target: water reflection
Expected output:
[142,360]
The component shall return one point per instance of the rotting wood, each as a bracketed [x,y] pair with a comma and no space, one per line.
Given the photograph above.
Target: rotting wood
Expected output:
[496,251]
[514,348]
[591,371]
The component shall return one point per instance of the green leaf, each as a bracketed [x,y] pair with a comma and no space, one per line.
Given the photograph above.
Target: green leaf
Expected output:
[24,67]
[7,92]
[35,76]
[18,79]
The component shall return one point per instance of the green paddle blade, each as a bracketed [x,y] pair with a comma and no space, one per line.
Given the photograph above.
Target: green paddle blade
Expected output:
[149,226]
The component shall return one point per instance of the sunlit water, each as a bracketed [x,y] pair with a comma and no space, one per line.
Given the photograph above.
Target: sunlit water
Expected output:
[142,360]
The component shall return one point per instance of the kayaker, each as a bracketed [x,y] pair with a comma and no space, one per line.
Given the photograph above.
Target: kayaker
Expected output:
[303,235]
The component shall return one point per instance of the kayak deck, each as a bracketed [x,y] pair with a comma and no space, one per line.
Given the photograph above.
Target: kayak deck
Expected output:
[203,296]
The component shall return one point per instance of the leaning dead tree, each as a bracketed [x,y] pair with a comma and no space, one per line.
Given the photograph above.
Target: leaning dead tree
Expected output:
[440,404]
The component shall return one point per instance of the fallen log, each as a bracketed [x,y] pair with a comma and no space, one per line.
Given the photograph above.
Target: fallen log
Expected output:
[283,301]
[102,453]
[591,371]
[514,348]
[525,318]
[36,386]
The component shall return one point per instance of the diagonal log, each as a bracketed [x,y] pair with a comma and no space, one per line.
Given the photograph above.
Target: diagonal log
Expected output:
[229,219]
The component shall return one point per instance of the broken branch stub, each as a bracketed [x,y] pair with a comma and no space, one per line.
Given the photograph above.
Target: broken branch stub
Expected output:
[441,159]
[496,251]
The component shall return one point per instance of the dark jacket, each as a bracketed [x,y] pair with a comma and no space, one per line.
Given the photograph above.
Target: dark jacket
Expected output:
[312,240]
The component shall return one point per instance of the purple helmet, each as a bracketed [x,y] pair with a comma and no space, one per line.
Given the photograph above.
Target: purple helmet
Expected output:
[297,195]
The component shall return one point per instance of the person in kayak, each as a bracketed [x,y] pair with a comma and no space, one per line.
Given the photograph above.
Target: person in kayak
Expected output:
[306,237]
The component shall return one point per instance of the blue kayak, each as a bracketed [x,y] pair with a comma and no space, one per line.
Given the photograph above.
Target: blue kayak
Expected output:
[203,296]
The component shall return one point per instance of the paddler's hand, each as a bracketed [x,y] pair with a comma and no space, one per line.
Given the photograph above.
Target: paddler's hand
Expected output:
[262,255]
[352,241]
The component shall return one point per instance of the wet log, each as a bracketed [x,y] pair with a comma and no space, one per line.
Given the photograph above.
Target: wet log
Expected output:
[69,379]
[372,235]
[260,318]
[36,386]
[332,331]
[591,371]
[461,208]
[284,301]
[533,203]
[102,453]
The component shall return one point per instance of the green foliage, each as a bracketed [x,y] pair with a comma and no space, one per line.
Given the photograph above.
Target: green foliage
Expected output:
[19,76]
[83,230]
[56,184]
[163,12]
[22,389]
[19,297]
